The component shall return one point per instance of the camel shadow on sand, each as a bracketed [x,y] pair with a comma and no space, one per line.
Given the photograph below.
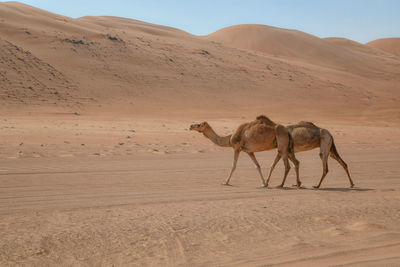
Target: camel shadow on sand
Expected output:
[333,189]
[342,189]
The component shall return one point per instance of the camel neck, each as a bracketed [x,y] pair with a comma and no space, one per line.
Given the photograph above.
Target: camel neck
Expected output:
[224,141]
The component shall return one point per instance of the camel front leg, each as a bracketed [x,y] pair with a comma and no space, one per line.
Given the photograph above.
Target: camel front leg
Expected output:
[277,158]
[253,157]
[235,159]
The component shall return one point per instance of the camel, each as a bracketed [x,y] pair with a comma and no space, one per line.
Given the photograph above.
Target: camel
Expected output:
[255,136]
[307,136]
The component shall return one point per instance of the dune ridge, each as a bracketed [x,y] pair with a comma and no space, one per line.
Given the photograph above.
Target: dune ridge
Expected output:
[297,45]
[390,45]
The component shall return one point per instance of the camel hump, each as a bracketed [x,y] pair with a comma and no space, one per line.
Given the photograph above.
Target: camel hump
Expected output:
[265,119]
[306,124]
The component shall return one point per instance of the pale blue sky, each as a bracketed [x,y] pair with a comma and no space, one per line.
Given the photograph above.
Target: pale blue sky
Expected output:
[359,20]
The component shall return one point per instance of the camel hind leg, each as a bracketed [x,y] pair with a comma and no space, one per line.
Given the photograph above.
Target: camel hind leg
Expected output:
[253,157]
[285,150]
[277,158]
[335,155]
[235,159]
[292,159]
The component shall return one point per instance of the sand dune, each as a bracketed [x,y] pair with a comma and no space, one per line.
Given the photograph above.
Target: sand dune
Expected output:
[98,167]
[123,65]
[277,42]
[296,45]
[355,46]
[390,45]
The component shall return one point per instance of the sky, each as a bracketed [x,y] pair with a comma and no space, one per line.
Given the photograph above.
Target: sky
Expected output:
[358,20]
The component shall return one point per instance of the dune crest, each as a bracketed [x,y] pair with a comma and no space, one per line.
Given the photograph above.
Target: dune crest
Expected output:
[297,45]
[390,45]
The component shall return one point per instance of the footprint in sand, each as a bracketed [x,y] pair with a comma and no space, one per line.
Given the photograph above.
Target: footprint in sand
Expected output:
[66,155]
[334,231]
[158,152]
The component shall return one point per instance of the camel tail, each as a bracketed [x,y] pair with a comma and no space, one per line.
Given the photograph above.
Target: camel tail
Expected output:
[291,144]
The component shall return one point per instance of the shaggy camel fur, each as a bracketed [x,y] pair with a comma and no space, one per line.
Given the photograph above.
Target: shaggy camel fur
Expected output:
[307,136]
[255,136]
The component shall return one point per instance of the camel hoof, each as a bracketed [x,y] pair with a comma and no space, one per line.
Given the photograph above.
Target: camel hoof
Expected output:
[225,183]
[279,186]
[315,186]
[352,186]
[264,185]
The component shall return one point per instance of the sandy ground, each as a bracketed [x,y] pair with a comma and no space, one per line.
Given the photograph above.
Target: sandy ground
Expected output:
[113,201]
[98,167]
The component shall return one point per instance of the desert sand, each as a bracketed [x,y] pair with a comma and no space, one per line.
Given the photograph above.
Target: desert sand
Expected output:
[98,166]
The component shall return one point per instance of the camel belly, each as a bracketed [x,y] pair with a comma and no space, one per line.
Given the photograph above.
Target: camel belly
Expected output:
[305,147]
[267,144]
[305,139]
[302,145]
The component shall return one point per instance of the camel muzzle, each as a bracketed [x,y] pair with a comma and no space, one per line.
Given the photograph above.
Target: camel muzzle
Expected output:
[193,126]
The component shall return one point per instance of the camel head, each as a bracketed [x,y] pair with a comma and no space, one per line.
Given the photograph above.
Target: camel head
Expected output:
[200,127]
